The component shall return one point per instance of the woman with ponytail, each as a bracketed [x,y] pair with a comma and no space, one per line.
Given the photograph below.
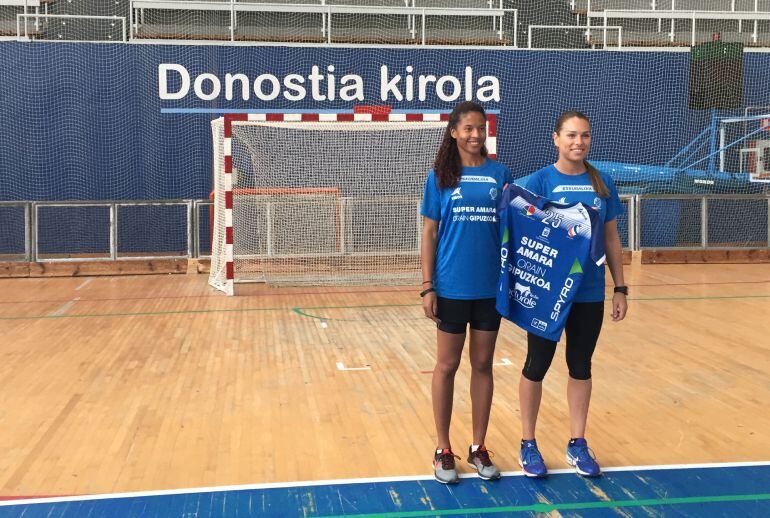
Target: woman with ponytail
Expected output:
[572,179]
[460,266]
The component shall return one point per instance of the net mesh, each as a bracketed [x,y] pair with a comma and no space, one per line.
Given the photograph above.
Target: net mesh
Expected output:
[566,37]
[338,21]
[354,21]
[12,238]
[324,203]
[85,122]
[69,232]
[66,27]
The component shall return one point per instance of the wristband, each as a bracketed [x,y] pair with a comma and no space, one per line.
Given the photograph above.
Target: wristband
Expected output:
[621,289]
[425,292]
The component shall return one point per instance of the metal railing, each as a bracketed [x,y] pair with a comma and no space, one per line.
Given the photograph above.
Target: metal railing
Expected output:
[32,231]
[694,16]
[587,30]
[327,12]
[756,6]
[631,212]
[634,237]
[23,34]
[746,15]
[702,219]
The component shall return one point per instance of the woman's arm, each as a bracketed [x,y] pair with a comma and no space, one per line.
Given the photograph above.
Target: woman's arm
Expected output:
[427,265]
[614,251]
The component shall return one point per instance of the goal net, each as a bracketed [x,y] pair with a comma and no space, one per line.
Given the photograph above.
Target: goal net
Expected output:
[320,202]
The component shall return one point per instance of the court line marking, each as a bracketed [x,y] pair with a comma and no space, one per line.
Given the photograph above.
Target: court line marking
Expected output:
[341,367]
[84,284]
[342,292]
[62,310]
[302,312]
[148,313]
[286,293]
[698,283]
[716,297]
[346,481]
[566,506]
[27,497]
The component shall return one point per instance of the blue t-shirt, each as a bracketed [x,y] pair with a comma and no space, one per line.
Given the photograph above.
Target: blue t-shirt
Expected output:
[545,248]
[468,237]
[566,188]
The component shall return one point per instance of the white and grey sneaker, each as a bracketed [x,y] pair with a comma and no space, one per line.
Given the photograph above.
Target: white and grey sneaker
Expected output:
[444,466]
[480,461]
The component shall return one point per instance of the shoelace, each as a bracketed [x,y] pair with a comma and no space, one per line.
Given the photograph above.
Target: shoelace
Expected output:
[483,456]
[448,460]
[532,455]
[585,454]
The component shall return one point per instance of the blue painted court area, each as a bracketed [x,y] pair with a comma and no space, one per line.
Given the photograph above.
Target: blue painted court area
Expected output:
[709,490]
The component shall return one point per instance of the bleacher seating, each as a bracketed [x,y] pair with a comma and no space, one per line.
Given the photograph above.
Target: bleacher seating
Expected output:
[10,8]
[647,23]
[686,28]
[333,21]
[64,20]
[661,23]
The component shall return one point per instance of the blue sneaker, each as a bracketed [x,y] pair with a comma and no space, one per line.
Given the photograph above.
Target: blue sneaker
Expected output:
[531,461]
[582,458]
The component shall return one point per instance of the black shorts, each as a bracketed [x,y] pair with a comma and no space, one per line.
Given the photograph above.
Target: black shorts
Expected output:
[455,314]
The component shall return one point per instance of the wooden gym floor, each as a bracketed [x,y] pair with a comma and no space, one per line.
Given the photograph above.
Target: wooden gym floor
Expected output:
[117,384]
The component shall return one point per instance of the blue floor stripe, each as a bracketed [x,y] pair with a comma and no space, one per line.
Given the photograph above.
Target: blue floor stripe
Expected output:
[724,491]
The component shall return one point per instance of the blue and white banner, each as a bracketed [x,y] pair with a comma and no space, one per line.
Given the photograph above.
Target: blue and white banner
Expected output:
[131,121]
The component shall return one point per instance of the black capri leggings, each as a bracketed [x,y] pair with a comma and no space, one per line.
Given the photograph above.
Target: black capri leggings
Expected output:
[583,326]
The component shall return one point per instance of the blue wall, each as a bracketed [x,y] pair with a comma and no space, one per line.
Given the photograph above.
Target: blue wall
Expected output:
[84,121]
